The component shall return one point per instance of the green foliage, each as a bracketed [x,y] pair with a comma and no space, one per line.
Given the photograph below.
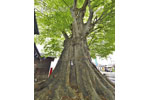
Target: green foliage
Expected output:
[54,16]
[53,48]
[80,3]
[102,40]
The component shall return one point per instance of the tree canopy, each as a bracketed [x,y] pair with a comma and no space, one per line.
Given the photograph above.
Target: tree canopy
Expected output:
[54,18]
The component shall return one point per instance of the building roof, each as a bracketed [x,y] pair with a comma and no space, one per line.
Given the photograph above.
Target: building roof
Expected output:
[36,52]
[36,31]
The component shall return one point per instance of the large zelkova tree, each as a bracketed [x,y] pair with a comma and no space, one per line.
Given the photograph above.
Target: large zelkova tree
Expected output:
[80,30]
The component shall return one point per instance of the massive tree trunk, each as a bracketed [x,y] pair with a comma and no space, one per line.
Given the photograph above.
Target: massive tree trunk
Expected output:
[75,77]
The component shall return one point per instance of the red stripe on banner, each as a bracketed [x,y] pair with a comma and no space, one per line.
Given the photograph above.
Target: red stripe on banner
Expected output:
[50,72]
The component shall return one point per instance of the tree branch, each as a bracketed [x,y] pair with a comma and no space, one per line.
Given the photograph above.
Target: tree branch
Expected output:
[101,17]
[89,22]
[91,13]
[84,5]
[75,4]
[65,35]
[83,8]
[66,3]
